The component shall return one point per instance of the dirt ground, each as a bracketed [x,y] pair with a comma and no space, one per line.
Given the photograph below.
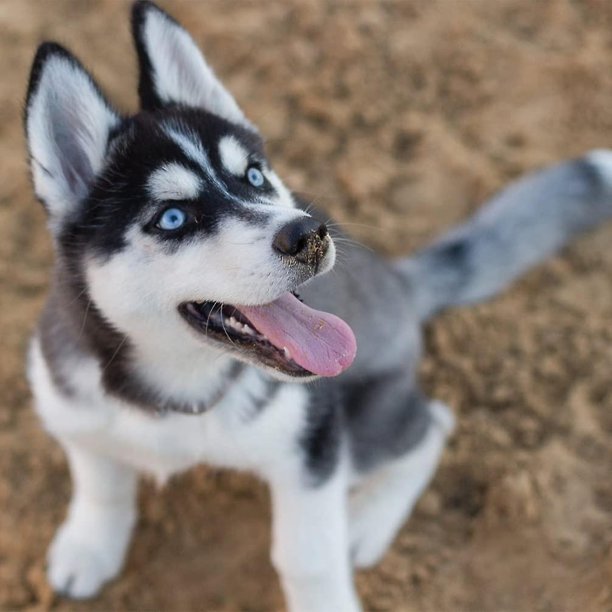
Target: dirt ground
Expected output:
[399,118]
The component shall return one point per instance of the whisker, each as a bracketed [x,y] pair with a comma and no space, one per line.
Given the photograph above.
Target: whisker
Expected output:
[78,296]
[120,345]
[341,224]
[84,317]
[225,330]
[208,318]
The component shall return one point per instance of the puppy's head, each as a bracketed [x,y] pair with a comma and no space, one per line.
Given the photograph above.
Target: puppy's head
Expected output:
[173,217]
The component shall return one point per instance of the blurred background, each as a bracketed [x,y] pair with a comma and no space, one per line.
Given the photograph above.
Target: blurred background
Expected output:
[399,118]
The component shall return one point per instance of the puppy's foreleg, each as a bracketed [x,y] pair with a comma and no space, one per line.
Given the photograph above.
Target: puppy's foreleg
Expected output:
[310,545]
[381,504]
[89,548]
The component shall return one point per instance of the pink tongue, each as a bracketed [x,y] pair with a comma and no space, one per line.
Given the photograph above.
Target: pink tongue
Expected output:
[320,342]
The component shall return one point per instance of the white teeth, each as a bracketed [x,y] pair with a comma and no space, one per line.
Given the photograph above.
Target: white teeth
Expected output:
[233,323]
[286,352]
[217,317]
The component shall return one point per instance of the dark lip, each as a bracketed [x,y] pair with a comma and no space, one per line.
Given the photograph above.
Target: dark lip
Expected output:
[204,318]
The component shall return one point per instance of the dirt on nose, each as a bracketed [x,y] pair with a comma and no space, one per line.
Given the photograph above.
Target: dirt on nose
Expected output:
[316,249]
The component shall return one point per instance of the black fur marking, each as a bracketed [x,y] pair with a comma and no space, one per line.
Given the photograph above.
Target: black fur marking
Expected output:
[454,252]
[119,197]
[322,437]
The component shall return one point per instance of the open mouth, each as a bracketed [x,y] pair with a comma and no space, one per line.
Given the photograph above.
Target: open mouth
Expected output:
[285,334]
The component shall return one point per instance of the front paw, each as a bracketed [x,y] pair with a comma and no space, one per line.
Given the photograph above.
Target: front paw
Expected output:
[79,565]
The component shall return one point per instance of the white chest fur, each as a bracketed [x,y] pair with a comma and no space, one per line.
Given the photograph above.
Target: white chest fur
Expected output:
[232,434]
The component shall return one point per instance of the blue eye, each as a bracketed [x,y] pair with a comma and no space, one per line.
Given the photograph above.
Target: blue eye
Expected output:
[172,219]
[255,176]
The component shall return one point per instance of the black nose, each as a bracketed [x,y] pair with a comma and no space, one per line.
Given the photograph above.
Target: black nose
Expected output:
[304,239]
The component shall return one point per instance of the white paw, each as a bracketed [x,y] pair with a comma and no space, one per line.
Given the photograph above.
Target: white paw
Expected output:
[367,548]
[78,567]
[370,522]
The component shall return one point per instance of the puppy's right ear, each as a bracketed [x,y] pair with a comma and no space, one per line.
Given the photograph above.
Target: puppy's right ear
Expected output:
[173,69]
[68,122]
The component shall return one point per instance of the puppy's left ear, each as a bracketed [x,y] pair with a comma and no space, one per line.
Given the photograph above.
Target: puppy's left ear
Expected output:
[173,69]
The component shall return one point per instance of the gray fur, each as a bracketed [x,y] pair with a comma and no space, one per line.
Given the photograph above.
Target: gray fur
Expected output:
[386,416]
[385,304]
[525,223]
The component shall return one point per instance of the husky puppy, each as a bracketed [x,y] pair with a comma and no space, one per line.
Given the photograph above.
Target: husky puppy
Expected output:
[173,334]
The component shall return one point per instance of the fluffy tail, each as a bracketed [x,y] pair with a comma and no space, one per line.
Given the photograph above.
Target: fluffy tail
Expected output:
[519,227]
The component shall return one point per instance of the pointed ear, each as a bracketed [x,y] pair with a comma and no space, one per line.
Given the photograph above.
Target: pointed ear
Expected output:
[67,123]
[173,69]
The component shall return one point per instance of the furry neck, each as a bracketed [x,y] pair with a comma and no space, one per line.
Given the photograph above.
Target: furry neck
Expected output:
[154,371]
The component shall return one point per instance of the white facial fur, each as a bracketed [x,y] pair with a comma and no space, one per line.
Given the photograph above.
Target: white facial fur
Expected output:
[139,289]
[144,283]
[284,197]
[173,182]
[234,156]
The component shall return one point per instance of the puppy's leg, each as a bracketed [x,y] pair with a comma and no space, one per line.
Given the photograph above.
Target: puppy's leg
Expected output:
[383,501]
[89,548]
[310,546]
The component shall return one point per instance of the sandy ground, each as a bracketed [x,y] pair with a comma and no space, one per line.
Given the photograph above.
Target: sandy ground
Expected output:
[399,118]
